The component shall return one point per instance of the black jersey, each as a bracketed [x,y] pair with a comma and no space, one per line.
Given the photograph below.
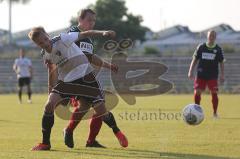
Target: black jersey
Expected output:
[86,45]
[209,58]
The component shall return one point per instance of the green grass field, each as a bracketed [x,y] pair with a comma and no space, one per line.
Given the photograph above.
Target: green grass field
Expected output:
[20,129]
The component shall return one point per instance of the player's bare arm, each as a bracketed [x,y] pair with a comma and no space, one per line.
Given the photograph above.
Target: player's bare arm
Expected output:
[96,33]
[15,68]
[31,71]
[52,76]
[98,62]
[222,72]
[191,68]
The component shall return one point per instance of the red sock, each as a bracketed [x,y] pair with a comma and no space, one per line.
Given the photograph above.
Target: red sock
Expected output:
[74,121]
[95,126]
[197,98]
[215,102]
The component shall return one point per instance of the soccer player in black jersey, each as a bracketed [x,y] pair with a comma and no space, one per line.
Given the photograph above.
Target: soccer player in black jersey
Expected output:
[87,20]
[207,57]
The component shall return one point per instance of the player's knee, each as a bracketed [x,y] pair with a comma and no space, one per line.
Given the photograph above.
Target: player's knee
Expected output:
[49,107]
[100,108]
[198,92]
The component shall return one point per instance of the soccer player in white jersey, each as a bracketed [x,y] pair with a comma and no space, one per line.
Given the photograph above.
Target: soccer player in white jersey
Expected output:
[23,68]
[75,77]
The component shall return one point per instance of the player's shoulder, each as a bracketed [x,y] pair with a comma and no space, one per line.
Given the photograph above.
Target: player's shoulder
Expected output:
[201,46]
[56,38]
[43,52]
[28,59]
[74,29]
[218,47]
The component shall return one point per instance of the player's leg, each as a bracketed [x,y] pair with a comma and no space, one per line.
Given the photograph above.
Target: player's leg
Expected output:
[213,87]
[109,119]
[20,86]
[111,122]
[48,121]
[94,128]
[76,117]
[29,91]
[199,87]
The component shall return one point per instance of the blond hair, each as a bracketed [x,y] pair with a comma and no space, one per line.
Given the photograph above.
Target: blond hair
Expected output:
[35,32]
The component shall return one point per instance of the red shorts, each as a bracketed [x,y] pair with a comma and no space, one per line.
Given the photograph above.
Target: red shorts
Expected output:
[201,84]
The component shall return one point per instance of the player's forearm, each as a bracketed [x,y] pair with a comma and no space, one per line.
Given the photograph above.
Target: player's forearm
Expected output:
[14,68]
[31,72]
[97,61]
[52,76]
[192,65]
[222,68]
[90,33]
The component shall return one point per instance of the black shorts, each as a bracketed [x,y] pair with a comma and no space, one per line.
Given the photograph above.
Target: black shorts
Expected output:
[22,81]
[87,88]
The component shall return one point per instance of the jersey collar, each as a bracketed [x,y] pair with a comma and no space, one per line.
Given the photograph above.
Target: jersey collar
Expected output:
[211,47]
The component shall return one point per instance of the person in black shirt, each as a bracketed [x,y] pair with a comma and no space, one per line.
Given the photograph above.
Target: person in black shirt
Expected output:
[87,20]
[207,57]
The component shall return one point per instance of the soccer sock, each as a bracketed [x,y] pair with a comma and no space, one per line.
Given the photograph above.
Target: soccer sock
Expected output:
[47,124]
[110,121]
[215,102]
[95,126]
[197,98]
[74,121]
[29,95]
[20,95]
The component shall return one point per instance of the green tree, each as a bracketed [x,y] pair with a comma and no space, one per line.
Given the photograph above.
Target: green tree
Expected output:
[10,2]
[150,50]
[112,15]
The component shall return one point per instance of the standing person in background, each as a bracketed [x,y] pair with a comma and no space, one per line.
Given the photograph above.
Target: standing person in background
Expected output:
[208,56]
[23,68]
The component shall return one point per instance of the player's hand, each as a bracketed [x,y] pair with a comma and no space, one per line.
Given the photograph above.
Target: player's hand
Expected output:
[222,79]
[114,68]
[190,75]
[109,33]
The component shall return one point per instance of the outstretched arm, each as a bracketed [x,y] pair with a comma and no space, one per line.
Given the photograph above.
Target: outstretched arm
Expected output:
[96,33]
[97,61]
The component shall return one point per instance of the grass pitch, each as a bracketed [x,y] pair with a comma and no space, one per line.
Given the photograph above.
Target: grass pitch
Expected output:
[153,127]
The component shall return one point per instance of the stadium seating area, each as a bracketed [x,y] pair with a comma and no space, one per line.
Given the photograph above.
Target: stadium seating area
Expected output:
[177,73]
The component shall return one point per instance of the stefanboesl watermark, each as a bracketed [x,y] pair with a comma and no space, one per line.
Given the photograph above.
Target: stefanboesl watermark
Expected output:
[143,115]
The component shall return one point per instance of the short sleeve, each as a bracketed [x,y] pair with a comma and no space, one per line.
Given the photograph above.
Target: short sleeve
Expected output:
[69,38]
[196,53]
[45,56]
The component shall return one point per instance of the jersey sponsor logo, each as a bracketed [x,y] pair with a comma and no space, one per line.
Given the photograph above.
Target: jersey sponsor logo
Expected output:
[86,47]
[208,56]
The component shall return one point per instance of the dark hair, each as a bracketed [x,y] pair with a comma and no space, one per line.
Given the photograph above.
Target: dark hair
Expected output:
[84,12]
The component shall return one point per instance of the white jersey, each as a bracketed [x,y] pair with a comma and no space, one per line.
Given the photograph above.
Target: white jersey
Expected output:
[71,62]
[23,67]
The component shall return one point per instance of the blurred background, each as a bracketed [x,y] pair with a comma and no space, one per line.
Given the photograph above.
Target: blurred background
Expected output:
[162,31]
